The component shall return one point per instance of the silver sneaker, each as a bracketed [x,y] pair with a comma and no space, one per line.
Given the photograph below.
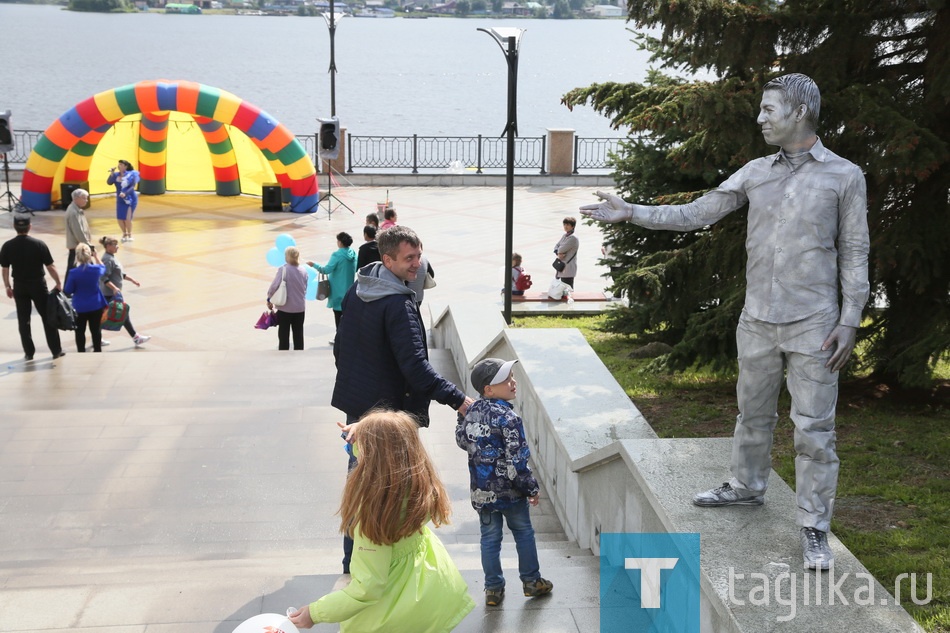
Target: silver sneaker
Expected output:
[726,495]
[815,550]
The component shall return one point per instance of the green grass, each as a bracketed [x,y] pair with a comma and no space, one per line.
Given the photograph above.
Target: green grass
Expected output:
[893,506]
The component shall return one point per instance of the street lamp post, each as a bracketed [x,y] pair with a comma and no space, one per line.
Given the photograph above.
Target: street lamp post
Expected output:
[331,25]
[509,39]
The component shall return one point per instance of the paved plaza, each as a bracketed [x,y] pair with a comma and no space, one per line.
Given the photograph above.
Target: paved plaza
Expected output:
[192,483]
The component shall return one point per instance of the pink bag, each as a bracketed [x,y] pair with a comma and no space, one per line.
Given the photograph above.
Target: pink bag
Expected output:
[268,319]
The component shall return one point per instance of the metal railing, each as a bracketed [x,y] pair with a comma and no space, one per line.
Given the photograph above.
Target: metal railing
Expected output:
[417,152]
[441,152]
[594,153]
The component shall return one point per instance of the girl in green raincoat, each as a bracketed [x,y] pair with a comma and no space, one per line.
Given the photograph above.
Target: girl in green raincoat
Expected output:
[403,580]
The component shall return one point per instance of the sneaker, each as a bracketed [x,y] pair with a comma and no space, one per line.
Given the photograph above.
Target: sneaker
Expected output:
[130,239]
[726,495]
[59,355]
[815,550]
[493,597]
[141,339]
[125,238]
[104,343]
[539,587]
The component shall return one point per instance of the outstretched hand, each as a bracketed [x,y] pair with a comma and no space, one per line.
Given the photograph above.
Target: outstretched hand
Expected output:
[611,209]
[843,338]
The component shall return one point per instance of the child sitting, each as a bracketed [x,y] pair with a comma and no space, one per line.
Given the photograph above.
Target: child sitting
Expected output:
[403,580]
[501,481]
[519,280]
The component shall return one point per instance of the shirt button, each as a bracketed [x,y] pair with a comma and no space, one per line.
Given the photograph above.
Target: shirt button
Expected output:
[782,221]
[788,195]
[779,249]
[774,280]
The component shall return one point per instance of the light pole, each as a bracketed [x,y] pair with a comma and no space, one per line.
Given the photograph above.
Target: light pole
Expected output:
[331,25]
[509,39]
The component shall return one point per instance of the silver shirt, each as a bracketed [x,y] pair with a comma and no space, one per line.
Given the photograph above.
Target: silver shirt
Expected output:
[807,233]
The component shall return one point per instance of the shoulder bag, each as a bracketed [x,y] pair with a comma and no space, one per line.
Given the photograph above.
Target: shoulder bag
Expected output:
[279,297]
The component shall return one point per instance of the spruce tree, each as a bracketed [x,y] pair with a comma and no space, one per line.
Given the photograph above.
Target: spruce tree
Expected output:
[882,68]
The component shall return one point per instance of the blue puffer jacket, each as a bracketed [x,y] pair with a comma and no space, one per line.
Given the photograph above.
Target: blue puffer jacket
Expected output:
[380,351]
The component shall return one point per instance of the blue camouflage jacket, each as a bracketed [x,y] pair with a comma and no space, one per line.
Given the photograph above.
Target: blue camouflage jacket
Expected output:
[493,435]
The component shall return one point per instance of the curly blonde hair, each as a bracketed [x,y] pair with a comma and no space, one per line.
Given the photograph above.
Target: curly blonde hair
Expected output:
[394,489]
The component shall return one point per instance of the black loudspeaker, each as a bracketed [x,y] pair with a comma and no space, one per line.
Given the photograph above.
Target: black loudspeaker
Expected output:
[66,190]
[270,197]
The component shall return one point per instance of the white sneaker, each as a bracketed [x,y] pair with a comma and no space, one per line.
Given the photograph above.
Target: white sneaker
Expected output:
[125,238]
[130,239]
[104,343]
[141,339]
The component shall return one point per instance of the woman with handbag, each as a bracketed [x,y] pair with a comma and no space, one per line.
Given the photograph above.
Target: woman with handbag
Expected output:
[111,284]
[82,285]
[566,251]
[288,292]
[341,269]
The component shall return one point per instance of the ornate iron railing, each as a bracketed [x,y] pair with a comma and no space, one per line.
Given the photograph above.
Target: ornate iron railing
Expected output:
[594,153]
[417,152]
[441,152]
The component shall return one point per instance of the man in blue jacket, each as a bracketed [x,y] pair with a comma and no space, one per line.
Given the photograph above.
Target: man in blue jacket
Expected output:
[382,359]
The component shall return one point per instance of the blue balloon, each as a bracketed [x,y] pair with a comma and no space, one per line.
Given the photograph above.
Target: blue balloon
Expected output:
[283,241]
[275,257]
[311,274]
[311,292]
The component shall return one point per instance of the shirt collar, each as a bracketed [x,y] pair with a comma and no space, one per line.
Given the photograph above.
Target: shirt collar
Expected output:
[817,151]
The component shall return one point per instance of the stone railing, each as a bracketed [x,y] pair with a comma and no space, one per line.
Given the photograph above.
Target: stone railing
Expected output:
[606,471]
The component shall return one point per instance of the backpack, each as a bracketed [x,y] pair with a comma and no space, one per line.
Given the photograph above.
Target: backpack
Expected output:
[59,311]
[523,282]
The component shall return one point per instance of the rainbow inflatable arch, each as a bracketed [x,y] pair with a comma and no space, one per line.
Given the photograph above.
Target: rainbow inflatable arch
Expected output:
[180,135]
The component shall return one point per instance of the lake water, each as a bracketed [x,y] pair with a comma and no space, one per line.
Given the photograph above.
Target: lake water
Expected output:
[394,76]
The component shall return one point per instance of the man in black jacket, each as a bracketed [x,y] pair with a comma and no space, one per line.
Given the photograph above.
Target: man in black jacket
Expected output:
[27,256]
[381,354]
[369,251]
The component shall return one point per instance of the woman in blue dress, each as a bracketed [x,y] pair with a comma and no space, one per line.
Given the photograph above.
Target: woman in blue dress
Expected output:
[125,180]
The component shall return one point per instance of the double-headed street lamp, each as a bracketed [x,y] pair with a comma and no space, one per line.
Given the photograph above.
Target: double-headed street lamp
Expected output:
[509,39]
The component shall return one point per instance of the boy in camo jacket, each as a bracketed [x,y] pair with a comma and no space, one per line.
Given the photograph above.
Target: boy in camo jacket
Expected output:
[501,480]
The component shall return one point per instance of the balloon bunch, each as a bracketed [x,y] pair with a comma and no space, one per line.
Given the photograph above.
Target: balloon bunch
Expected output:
[275,257]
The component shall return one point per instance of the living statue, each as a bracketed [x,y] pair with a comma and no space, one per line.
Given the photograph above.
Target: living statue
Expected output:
[807,241]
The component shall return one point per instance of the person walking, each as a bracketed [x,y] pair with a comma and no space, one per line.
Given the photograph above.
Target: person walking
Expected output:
[381,354]
[341,271]
[82,284]
[125,179]
[77,227]
[290,314]
[27,257]
[807,246]
[111,284]
[403,580]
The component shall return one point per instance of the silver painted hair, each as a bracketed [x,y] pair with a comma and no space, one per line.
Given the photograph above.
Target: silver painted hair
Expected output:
[799,89]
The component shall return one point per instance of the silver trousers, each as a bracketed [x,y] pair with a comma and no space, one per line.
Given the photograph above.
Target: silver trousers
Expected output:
[766,352]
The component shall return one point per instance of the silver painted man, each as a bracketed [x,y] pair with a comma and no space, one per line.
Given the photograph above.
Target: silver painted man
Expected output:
[807,242]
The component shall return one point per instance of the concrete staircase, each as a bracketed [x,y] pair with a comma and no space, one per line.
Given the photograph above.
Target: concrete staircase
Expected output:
[188,491]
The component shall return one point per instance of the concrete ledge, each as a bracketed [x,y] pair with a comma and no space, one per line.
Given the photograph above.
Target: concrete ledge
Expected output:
[606,471]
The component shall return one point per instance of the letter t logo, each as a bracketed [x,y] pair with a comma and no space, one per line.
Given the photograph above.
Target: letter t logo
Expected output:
[649,578]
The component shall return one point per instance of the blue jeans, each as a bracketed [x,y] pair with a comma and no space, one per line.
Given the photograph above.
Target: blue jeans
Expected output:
[519,522]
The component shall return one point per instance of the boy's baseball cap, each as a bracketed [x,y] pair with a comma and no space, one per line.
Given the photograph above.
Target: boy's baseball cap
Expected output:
[490,371]
[21,220]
